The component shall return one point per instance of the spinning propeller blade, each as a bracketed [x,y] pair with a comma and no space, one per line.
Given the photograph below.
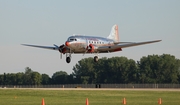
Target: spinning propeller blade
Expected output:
[60,50]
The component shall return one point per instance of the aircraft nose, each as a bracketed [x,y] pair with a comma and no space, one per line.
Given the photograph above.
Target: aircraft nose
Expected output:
[67,43]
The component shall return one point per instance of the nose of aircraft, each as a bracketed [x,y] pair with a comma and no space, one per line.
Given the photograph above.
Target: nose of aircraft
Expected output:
[67,43]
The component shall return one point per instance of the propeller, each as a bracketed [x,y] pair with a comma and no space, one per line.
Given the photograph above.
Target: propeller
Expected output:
[60,48]
[87,48]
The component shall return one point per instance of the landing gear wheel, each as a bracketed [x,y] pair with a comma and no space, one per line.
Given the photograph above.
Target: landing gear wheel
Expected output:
[96,59]
[68,59]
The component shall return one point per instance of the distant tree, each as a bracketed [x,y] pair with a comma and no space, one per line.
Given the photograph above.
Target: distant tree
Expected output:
[31,78]
[84,71]
[4,79]
[150,69]
[36,78]
[45,79]
[71,79]
[27,76]
[159,69]
[10,79]
[179,72]
[111,70]
[28,71]
[119,70]
[60,77]
[19,78]
[1,79]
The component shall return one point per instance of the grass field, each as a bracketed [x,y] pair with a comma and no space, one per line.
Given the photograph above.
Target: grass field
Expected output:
[96,97]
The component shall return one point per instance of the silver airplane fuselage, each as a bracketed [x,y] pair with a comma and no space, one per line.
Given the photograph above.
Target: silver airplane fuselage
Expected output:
[79,43]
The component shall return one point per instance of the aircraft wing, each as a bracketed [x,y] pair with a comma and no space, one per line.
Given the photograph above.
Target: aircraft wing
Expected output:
[124,45]
[55,47]
[130,44]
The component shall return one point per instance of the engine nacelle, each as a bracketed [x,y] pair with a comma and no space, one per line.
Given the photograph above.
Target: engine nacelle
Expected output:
[91,48]
[62,49]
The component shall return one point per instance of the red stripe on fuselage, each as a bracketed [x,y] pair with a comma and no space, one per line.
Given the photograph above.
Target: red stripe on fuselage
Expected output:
[118,49]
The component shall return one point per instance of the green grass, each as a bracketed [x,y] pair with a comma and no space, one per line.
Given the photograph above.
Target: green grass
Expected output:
[78,97]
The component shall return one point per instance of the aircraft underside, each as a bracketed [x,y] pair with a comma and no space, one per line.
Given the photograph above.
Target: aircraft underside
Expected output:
[84,51]
[68,58]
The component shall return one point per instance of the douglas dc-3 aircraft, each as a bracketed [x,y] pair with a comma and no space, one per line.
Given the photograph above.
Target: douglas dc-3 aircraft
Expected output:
[92,44]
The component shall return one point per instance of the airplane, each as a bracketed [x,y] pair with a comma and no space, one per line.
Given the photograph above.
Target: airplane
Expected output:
[81,44]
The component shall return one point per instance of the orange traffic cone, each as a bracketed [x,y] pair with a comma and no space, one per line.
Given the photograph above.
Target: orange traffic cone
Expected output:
[124,101]
[160,101]
[87,102]
[43,103]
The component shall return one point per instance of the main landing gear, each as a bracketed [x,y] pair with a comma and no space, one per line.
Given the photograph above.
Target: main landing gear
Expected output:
[68,57]
[96,59]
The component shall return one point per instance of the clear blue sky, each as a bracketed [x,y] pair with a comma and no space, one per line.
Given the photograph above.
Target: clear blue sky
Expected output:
[48,22]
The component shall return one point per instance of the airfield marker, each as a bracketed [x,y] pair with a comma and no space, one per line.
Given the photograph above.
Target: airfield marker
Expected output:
[124,101]
[43,103]
[160,101]
[87,102]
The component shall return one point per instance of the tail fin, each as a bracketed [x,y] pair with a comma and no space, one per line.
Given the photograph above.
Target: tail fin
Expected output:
[114,35]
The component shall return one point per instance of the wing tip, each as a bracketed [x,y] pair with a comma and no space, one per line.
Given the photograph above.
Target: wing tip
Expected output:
[158,40]
[24,44]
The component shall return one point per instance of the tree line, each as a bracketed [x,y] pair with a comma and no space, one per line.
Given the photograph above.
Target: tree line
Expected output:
[150,69]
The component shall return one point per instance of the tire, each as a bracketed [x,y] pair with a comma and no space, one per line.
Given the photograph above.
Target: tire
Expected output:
[96,59]
[68,59]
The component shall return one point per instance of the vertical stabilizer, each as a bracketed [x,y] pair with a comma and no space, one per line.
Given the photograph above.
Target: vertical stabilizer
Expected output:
[114,35]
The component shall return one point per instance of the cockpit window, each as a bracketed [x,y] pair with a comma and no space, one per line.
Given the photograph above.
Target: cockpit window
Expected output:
[72,39]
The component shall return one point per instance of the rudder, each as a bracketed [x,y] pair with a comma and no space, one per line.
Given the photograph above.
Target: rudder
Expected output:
[114,35]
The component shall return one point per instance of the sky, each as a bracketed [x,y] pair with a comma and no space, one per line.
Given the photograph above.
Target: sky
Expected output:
[48,22]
